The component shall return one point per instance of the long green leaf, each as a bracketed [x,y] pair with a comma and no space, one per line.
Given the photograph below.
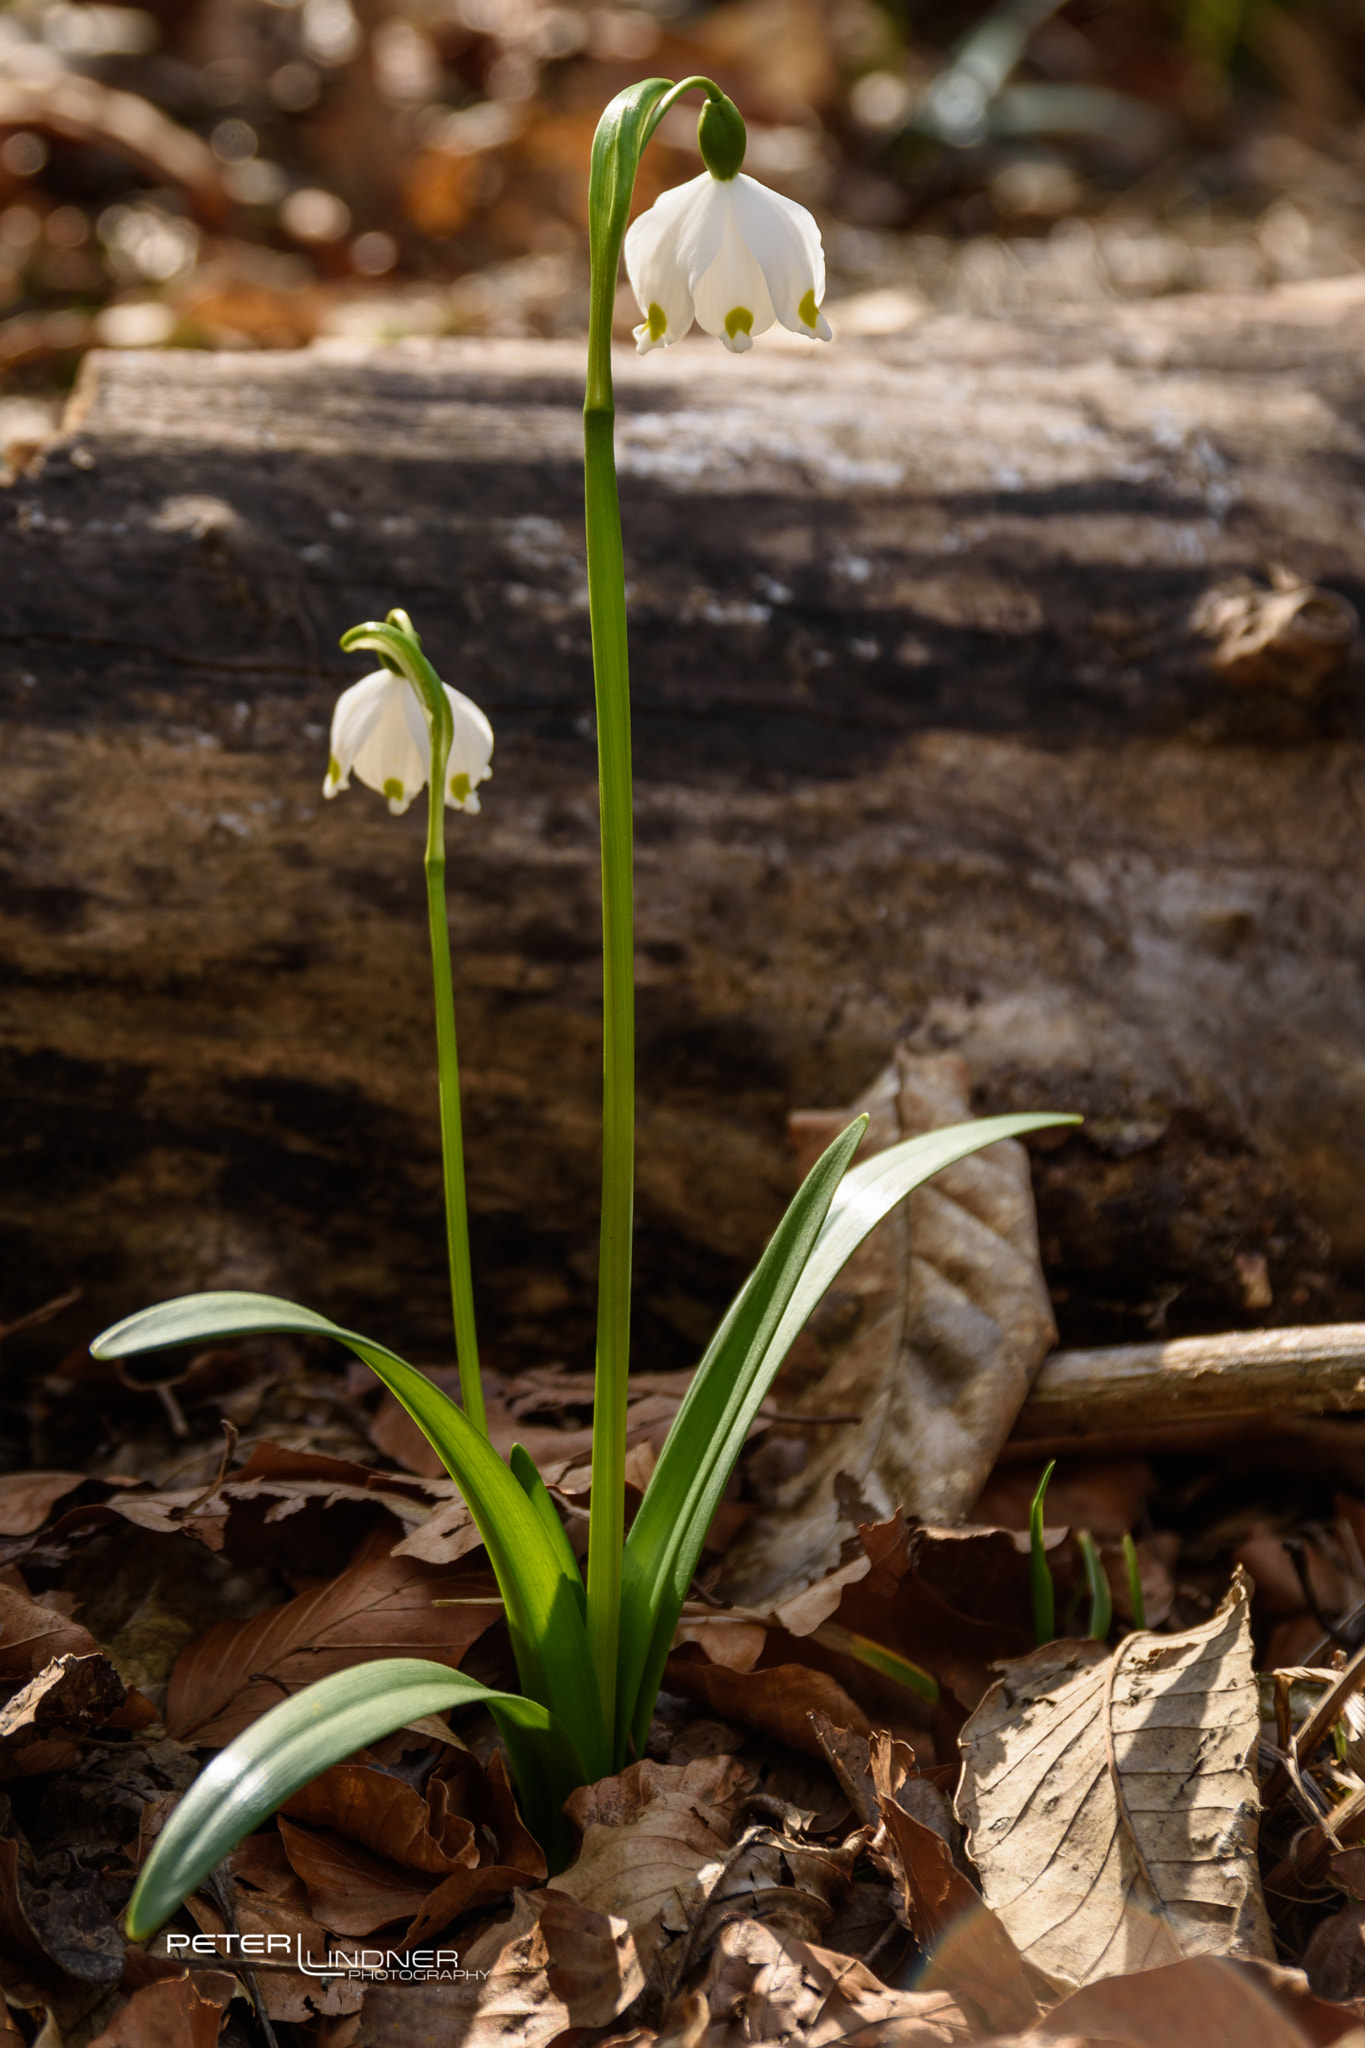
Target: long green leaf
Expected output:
[543,1610]
[287,1747]
[538,1493]
[828,1219]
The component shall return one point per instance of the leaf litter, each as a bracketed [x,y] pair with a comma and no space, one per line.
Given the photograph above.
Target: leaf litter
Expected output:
[1132,1842]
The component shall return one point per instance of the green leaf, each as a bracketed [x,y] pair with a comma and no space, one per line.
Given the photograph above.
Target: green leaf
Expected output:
[543,1610]
[1041,1587]
[1097,1585]
[830,1215]
[877,1657]
[287,1747]
[538,1493]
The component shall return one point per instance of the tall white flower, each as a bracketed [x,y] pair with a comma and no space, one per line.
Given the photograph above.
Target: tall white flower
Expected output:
[731,255]
[379,729]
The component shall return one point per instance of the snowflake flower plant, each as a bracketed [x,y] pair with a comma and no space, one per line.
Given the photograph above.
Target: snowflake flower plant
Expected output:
[590,1653]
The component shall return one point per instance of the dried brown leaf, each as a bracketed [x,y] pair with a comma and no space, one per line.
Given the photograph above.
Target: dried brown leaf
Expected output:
[377,1851]
[53,1911]
[783,1988]
[1204,2002]
[387,1816]
[269,1899]
[648,1835]
[32,1635]
[179,2012]
[971,1955]
[1110,1803]
[349,1890]
[931,1336]
[555,1964]
[70,1697]
[778,1701]
[380,1608]
[28,1498]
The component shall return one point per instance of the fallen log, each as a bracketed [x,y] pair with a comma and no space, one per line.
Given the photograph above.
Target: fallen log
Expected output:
[1178,1394]
[966,708]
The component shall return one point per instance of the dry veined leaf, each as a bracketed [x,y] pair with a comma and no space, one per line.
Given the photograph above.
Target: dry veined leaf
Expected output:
[32,1635]
[1110,1803]
[930,1336]
[648,1835]
[385,1852]
[380,1608]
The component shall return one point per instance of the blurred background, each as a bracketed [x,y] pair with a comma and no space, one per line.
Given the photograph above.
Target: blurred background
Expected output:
[255,173]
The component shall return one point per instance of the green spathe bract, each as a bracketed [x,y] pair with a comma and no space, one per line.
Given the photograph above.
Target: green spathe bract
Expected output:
[589,1657]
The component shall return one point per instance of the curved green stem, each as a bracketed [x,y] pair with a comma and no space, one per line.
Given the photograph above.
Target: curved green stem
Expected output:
[397,643]
[622,133]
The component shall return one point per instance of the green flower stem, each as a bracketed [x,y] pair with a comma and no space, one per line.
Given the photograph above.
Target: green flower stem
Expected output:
[397,644]
[621,136]
[447,1058]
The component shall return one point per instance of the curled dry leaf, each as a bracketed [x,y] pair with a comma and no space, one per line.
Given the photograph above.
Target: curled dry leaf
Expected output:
[383,1607]
[555,1964]
[184,2011]
[783,1989]
[377,1851]
[1110,1803]
[649,1837]
[68,1698]
[268,1899]
[971,1955]
[778,1702]
[930,1337]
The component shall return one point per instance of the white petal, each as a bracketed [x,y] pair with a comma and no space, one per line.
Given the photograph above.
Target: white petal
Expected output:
[471,750]
[786,241]
[657,275]
[733,283]
[395,756]
[357,711]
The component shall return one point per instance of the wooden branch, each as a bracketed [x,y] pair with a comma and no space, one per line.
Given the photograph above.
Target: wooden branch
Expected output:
[1133,1393]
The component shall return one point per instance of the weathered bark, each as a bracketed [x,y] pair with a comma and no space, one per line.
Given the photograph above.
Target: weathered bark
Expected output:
[925,738]
[1080,1395]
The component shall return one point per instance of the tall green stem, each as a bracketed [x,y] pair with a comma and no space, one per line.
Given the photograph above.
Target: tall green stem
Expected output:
[452,1139]
[624,130]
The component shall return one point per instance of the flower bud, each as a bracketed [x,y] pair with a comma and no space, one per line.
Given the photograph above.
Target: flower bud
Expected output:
[721,138]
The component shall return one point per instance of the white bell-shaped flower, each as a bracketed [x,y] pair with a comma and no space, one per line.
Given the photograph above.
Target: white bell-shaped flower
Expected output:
[731,255]
[379,730]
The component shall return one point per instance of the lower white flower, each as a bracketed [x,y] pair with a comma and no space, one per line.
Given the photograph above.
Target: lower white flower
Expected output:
[730,254]
[379,730]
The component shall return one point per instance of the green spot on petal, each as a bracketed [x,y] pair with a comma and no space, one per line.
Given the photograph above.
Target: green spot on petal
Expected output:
[333,768]
[808,312]
[393,790]
[657,321]
[739,320]
[459,787]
